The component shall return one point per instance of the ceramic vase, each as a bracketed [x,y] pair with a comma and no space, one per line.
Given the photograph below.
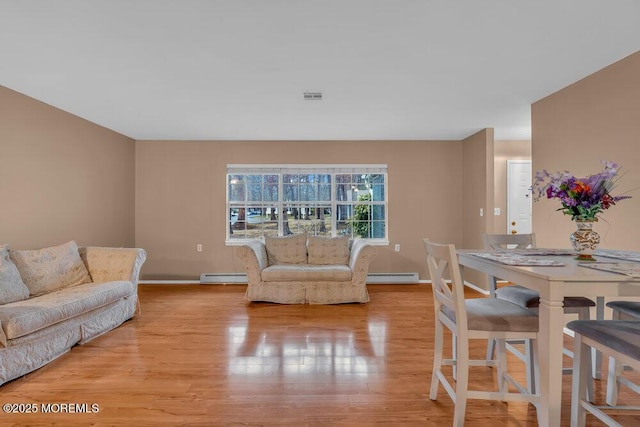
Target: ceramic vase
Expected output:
[584,240]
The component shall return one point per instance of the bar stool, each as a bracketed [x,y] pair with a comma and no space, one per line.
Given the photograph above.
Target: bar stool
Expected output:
[622,310]
[476,318]
[620,339]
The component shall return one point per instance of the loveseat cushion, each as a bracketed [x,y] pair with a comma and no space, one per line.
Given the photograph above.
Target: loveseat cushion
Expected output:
[306,273]
[24,317]
[49,269]
[286,250]
[12,288]
[328,250]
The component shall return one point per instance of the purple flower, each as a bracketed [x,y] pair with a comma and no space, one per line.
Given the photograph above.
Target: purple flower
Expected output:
[582,198]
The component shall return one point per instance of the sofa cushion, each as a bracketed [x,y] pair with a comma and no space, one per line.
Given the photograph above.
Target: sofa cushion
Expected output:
[46,270]
[328,250]
[24,317]
[286,250]
[12,288]
[110,264]
[306,273]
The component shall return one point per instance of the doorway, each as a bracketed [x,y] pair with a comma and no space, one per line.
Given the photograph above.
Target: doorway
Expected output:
[519,196]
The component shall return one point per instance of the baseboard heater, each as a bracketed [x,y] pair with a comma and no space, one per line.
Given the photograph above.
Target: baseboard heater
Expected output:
[393,278]
[223,278]
[388,278]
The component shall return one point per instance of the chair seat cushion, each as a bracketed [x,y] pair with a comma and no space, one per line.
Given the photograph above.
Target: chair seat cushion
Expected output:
[628,308]
[491,314]
[529,298]
[622,336]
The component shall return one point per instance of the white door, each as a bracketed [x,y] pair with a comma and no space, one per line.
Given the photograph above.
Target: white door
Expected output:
[519,196]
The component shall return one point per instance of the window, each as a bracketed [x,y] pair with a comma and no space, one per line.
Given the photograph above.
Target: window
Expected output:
[321,200]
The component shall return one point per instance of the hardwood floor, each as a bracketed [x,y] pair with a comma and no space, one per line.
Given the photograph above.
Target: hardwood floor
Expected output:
[201,355]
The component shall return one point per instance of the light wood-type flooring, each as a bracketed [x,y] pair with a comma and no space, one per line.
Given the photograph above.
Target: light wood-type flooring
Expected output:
[202,355]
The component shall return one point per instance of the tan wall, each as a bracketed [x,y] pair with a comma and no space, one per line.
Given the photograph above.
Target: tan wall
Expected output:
[594,119]
[62,178]
[503,151]
[180,198]
[66,178]
[477,194]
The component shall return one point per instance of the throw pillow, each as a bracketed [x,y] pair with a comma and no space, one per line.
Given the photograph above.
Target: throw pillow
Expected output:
[286,250]
[12,288]
[46,270]
[328,250]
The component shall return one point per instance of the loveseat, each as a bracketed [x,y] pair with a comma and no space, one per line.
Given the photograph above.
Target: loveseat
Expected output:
[54,298]
[299,269]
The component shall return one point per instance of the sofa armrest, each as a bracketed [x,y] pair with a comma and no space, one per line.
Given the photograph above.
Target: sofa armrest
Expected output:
[254,257]
[110,264]
[362,252]
[3,337]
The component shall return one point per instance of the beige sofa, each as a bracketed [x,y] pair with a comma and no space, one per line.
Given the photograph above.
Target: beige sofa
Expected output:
[313,270]
[54,298]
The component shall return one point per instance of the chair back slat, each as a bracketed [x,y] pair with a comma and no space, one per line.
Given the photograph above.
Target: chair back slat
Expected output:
[442,261]
[508,241]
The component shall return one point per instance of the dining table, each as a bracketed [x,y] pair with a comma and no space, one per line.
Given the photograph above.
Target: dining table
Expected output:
[556,274]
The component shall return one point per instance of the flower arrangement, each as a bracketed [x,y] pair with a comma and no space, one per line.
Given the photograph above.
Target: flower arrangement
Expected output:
[582,198]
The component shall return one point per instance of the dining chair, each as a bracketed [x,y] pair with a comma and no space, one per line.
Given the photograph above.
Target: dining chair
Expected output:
[622,310]
[620,340]
[528,298]
[475,318]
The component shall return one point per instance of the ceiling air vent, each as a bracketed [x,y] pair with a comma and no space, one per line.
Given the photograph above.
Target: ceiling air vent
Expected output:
[313,96]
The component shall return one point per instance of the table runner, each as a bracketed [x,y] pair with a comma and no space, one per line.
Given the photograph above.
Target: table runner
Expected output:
[511,258]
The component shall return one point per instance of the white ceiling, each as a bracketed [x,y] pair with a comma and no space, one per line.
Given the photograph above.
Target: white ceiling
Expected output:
[237,69]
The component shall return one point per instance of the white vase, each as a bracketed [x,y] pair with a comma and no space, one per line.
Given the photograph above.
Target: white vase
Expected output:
[584,240]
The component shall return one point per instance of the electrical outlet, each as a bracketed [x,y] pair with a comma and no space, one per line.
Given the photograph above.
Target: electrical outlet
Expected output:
[397,248]
[199,247]
[481,211]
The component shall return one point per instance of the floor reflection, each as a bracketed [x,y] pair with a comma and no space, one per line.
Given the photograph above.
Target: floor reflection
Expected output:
[297,350]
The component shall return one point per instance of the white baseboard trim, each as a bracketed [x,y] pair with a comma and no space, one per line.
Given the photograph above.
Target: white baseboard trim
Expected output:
[383,278]
[238,281]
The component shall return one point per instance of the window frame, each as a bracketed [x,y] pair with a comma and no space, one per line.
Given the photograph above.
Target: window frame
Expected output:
[301,169]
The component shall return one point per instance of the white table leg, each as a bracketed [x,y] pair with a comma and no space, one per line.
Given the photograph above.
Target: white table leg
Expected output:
[550,357]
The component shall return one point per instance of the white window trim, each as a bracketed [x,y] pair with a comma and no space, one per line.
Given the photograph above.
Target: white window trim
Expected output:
[248,169]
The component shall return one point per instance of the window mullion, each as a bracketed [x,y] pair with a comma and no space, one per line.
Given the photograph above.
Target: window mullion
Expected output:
[281,212]
[334,206]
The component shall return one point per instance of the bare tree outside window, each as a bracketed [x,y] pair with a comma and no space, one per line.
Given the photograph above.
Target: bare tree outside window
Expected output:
[324,201]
